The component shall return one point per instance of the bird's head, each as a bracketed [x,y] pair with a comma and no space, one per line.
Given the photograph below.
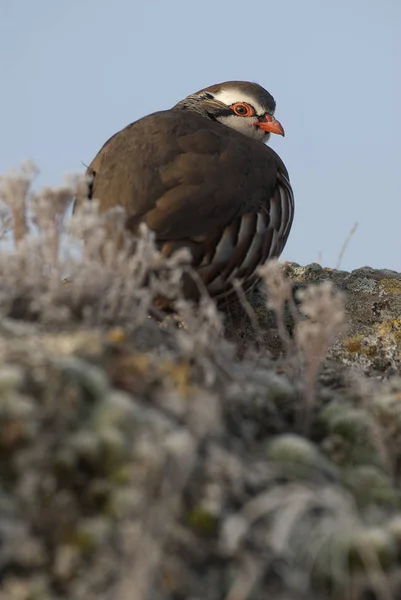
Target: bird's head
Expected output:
[241,105]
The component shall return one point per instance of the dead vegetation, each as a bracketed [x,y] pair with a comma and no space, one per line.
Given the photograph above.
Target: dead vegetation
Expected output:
[147,461]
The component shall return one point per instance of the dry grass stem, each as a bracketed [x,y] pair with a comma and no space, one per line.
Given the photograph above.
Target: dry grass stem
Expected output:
[249,311]
[347,241]
[324,308]
[279,293]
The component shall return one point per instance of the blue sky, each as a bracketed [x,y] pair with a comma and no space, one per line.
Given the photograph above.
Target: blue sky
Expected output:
[74,72]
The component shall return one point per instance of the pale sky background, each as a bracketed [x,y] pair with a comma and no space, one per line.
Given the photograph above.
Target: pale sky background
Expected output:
[73,72]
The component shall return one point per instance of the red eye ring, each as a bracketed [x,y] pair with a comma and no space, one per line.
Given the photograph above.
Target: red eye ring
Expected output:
[241,109]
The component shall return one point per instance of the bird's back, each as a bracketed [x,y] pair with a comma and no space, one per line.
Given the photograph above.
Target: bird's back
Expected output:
[200,184]
[171,167]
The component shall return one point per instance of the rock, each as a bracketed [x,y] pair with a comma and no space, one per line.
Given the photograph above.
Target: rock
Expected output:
[372,339]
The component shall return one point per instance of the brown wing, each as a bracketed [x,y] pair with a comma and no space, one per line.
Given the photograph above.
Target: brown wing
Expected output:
[250,240]
[200,184]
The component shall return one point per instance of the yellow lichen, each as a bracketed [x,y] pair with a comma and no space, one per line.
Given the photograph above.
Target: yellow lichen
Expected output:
[354,344]
[180,374]
[384,333]
[390,328]
[116,335]
[359,344]
[391,286]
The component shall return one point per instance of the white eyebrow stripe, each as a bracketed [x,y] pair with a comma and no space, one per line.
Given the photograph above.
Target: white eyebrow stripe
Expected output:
[231,96]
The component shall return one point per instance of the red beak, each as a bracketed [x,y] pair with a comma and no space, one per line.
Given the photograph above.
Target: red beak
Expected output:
[271,125]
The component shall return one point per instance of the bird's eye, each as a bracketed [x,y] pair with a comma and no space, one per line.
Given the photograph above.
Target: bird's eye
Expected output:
[242,110]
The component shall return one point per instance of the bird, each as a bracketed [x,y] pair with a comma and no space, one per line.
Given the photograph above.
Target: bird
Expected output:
[201,176]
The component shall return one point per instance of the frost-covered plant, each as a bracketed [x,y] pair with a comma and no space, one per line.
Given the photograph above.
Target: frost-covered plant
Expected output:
[318,321]
[105,283]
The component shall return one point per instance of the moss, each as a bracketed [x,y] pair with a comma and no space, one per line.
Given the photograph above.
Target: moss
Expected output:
[371,546]
[202,521]
[371,486]
[91,534]
[349,441]
[354,552]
